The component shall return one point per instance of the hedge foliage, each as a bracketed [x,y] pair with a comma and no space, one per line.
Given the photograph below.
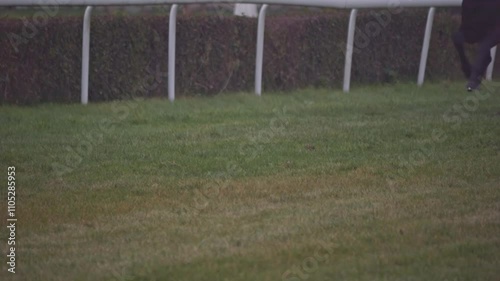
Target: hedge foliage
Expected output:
[129,55]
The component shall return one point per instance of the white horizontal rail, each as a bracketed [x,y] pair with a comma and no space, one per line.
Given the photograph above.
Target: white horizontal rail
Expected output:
[342,4]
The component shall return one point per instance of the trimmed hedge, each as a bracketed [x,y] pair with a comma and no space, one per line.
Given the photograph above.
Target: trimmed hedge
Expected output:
[129,55]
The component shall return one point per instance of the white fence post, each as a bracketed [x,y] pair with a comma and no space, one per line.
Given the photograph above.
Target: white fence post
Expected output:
[349,50]
[425,46]
[489,72]
[260,50]
[172,29]
[85,55]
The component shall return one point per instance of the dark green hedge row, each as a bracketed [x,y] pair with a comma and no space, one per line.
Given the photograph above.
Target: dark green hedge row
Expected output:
[214,54]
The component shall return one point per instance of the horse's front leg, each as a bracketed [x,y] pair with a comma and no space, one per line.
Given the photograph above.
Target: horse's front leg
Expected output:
[459,41]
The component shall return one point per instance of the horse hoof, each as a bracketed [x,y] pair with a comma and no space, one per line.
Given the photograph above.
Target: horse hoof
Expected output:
[473,84]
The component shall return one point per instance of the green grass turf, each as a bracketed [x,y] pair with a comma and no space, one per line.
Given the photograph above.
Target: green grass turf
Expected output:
[385,183]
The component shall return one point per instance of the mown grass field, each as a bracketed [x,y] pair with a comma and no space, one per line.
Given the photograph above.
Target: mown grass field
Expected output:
[385,183]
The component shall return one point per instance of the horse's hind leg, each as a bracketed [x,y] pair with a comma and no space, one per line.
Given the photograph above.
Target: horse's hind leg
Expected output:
[483,58]
[459,41]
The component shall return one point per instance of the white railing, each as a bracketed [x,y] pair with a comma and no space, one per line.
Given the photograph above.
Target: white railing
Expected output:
[340,4]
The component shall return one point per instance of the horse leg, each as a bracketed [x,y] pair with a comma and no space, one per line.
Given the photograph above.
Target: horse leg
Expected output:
[483,58]
[459,41]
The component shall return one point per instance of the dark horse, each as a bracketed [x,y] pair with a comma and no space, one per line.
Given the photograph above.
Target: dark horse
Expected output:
[480,24]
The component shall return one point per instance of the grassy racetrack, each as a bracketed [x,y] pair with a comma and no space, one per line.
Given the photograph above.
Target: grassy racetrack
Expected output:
[385,183]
